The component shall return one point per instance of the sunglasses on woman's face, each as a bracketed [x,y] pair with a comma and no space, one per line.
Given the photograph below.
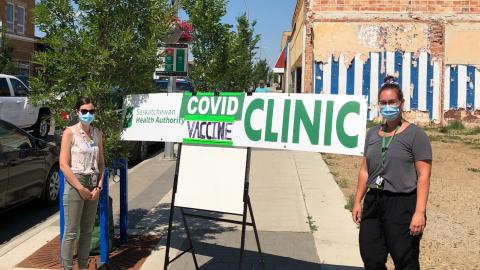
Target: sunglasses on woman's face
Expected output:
[84,111]
[390,102]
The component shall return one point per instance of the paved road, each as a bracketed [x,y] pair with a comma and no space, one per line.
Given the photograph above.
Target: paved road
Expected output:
[16,221]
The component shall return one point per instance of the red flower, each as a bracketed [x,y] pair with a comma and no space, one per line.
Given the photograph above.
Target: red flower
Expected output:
[186,28]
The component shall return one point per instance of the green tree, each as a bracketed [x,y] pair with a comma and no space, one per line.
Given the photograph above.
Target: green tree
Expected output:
[261,71]
[6,62]
[242,52]
[100,49]
[210,44]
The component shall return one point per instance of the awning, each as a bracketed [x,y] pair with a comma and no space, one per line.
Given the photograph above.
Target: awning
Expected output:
[280,65]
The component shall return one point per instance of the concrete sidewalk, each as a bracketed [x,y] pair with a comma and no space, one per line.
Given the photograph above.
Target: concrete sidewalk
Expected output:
[286,188]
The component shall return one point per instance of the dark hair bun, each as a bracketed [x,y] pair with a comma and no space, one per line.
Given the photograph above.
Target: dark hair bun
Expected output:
[389,79]
[390,82]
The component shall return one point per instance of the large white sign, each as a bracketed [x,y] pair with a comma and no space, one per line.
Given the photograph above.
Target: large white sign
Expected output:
[308,122]
[215,188]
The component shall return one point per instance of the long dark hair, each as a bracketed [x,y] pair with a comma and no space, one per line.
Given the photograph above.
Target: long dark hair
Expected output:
[82,101]
[390,82]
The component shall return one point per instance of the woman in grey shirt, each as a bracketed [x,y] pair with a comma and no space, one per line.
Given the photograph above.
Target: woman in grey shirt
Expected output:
[81,161]
[394,181]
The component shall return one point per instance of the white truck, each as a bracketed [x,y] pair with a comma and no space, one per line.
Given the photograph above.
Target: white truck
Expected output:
[15,108]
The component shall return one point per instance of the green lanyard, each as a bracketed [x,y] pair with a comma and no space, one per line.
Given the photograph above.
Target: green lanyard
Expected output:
[386,145]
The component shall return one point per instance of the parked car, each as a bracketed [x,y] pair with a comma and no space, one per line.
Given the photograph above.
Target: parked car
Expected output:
[16,109]
[182,85]
[24,79]
[28,167]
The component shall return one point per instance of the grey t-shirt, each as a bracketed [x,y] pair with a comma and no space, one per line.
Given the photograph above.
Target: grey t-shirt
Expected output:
[407,147]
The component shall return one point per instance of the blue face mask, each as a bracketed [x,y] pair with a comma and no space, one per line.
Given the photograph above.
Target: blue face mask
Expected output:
[390,112]
[87,118]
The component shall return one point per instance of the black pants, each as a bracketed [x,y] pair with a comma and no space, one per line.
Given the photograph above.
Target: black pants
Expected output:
[384,229]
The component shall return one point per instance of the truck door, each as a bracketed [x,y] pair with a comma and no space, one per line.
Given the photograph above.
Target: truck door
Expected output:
[5,100]
[26,112]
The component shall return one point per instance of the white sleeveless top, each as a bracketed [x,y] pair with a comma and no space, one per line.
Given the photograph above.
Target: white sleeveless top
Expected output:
[84,155]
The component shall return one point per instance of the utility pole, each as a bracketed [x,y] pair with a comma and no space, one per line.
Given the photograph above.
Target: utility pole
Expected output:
[172,84]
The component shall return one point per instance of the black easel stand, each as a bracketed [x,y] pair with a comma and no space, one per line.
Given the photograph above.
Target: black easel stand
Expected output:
[247,206]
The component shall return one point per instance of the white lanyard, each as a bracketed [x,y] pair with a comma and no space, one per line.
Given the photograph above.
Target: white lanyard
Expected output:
[89,143]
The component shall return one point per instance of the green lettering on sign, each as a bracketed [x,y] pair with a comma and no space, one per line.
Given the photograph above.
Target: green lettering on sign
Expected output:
[252,134]
[286,120]
[207,106]
[312,127]
[347,140]
[269,135]
[180,60]
[169,59]
[328,123]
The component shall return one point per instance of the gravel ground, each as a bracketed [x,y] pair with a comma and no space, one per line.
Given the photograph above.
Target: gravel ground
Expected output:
[452,236]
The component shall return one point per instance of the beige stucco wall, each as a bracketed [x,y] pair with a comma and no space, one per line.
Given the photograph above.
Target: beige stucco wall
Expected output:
[462,41]
[297,45]
[285,36]
[351,38]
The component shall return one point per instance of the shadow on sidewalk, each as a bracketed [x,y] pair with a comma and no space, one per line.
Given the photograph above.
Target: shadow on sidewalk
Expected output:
[210,255]
[222,257]
[155,222]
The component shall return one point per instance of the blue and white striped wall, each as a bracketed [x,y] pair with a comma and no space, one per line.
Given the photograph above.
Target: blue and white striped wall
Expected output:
[462,88]
[419,78]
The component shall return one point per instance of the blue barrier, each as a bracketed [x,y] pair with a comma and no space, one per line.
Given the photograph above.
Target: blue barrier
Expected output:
[123,200]
[104,220]
[103,205]
[60,202]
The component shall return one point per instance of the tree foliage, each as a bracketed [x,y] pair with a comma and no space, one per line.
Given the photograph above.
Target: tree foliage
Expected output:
[223,57]
[100,49]
[242,51]
[261,71]
[6,62]
[210,46]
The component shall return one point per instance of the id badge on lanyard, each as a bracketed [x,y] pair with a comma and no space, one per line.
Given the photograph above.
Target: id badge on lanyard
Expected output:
[93,179]
[383,156]
[93,175]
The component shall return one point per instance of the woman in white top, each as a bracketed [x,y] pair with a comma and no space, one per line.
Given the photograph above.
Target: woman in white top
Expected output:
[81,161]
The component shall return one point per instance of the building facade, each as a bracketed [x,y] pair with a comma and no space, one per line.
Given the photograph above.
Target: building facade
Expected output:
[280,64]
[17,21]
[349,46]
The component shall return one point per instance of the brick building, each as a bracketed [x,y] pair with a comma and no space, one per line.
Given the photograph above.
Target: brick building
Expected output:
[349,46]
[17,19]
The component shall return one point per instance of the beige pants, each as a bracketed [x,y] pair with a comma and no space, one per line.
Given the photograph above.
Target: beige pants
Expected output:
[79,219]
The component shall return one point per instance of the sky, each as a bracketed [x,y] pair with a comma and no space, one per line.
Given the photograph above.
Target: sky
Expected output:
[272,16]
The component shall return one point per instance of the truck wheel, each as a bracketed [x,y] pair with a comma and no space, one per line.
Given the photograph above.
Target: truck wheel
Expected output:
[52,187]
[42,127]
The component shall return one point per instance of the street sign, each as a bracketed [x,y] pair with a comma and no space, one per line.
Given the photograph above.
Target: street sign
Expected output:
[318,123]
[175,60]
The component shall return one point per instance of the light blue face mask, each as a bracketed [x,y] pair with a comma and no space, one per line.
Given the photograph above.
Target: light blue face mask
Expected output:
[87,118]
[390,112]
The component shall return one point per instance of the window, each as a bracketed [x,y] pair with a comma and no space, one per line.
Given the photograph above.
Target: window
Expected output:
[20,20]
[23,68]
[13,140]
[19,89]
[4,89]
[10,17]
